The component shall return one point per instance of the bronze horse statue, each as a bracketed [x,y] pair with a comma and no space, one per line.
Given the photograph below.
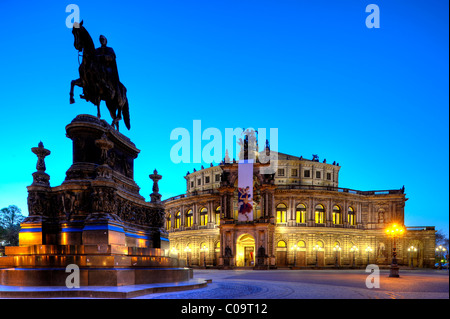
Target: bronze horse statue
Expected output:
[99,77]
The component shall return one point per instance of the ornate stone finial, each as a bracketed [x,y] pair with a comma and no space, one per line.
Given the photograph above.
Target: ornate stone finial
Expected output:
[155,177]
[227,157]
[40,177]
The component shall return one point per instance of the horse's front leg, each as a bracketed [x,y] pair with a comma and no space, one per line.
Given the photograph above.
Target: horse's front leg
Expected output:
[77,82]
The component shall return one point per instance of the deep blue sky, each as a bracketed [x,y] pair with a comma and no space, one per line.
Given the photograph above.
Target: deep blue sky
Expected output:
[374,100]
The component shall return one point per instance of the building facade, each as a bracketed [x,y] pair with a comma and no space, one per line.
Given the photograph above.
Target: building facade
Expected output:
[301,218]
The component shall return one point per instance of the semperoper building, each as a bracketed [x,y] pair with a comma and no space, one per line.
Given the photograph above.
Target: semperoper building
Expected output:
[301,218]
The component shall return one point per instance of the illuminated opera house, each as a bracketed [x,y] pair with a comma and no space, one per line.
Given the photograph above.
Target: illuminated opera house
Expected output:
[301,218]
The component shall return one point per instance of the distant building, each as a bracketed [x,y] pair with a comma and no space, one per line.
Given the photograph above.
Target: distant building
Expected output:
[301,218]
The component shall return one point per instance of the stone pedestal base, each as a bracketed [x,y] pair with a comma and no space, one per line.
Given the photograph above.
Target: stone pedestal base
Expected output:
[99,265]
[96,221]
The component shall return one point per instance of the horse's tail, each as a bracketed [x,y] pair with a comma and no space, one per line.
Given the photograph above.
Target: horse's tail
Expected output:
[126,114]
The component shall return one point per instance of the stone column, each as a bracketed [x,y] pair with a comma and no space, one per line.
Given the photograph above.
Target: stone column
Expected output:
[310,212]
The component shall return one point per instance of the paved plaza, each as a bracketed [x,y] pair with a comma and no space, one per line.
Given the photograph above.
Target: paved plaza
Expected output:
[314,284]
[281,284]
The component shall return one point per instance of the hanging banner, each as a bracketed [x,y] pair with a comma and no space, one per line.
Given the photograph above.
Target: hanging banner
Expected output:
[245,188]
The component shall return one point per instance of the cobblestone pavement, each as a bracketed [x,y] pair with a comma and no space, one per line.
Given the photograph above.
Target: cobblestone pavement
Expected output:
[314,284]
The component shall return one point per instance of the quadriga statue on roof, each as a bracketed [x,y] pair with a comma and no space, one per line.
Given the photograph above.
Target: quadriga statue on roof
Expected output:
[99,77]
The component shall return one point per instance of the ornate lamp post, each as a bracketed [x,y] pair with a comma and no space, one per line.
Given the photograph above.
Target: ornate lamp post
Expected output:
[354,249]
[174,251]
[368,251]
[440,250]
[394,231]
[295,249]
[336,250]
[317,248]
[204,250]
[410,252]
[187,250]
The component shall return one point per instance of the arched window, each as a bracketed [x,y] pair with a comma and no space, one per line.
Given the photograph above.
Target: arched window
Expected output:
[218,215]
[301,245]
[354,250]
[300,213]
[203,247]
[319,245]
[337,253]
[177,220]
[189,218]
[281,213]
[337,216]
[169,222]
[281,244]
[319,214]
[188,252]
[351,216]
[203,217]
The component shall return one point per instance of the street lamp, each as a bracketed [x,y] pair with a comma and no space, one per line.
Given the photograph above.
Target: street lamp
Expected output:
[394,231]
[336,249]
[354,249]
[204,250]
[410,252]
[187,250]
[368,251]
[317,248]
[440,250]
[174,251]
[295,249]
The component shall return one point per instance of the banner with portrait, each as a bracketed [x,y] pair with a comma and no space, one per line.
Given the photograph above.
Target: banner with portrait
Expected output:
[245,190]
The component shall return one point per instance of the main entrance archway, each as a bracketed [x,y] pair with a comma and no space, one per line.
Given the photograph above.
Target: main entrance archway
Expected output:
[245,249]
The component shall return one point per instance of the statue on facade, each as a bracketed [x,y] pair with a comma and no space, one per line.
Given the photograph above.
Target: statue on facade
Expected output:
[99,77]
[381,250]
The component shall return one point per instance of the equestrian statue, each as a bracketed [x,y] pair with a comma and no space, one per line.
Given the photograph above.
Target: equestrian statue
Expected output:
[99,77]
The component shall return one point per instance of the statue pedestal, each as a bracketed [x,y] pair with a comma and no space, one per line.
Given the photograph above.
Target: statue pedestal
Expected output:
[96,219]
